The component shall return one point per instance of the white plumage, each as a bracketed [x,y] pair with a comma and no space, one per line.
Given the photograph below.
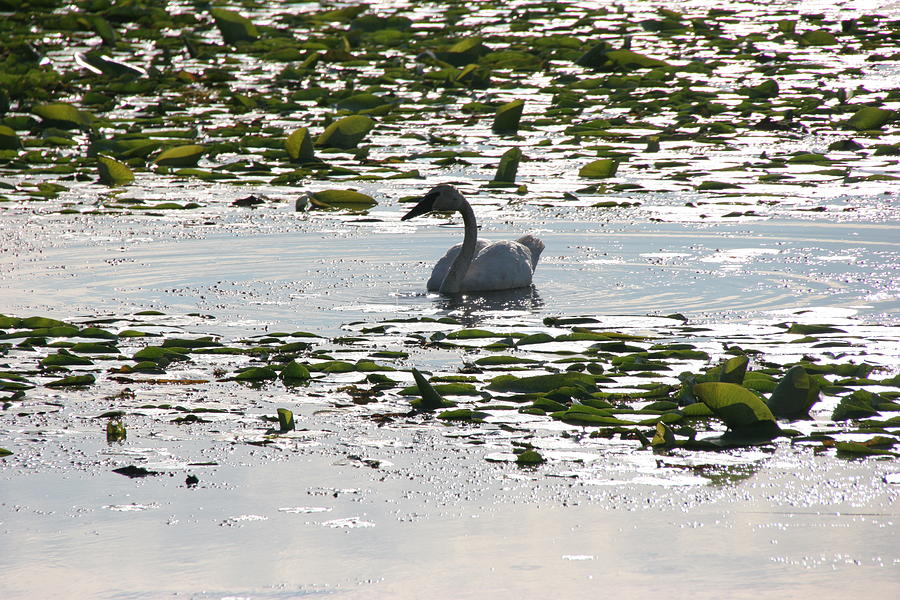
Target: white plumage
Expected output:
[477,265]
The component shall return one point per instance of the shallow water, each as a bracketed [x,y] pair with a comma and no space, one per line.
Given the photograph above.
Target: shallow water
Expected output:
[371,501]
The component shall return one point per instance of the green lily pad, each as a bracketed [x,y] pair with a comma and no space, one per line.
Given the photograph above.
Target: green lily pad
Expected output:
[63,115]
[509,164]
[341,199]
[795,394]
[858,405]
[870,117]
[8,139]
[542,383]
[73,381]
[299,146]
[285,420]
[233,26]
[599,169]
[181,156]
[256,374]
[294,372]
[766,89]
[430,399]
[346,133]
[664,437]
[113,172]
[742,410]
[818,37]
[529,458]
[507,118]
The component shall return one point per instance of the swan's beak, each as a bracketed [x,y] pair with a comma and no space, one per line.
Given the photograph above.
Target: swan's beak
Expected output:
[425,205]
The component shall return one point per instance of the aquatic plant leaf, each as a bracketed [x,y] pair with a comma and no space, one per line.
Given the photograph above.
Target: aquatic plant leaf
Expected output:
[794,395]
[181,156]
[299,146]
[63,115]
[509,164]
[766,89]
[64,359]
[42,323]
[490,361]
[346,133]
[430,399]
[870,117]
[629,59]
[507,118]
[233,26]
[294,372]
[113,172]
[733,370]
[462,414]
[858,405]
[742,410]
[115,430]
[862,449]
[529,458]
[818,37]
[664,437]
[8,139]
[72,381]
[341,199]
[5,452]
[254,374]
[599,169]
[285,420]
[542,383]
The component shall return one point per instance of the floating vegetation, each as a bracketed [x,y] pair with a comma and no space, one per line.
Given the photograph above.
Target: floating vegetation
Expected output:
[383,96]
[668,386]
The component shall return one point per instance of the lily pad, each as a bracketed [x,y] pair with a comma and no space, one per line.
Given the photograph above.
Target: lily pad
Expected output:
[63,115]
[509,164]
[181,156]
[795,394]
[430,399]
[542,383]
[341,199]
[599,169]
[233,26]
[507,118]
[8,139]
[346,133]
[870,117]
[742,411]
[299,146]
[113,172]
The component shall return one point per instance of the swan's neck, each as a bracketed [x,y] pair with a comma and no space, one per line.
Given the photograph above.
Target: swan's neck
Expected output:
[453,281]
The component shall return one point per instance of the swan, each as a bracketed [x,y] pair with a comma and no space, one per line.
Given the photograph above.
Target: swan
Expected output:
[476,265]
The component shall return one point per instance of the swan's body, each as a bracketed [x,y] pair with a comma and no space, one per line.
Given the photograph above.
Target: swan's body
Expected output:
[477,265]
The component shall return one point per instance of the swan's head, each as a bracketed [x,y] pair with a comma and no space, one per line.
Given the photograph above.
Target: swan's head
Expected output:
[441,198]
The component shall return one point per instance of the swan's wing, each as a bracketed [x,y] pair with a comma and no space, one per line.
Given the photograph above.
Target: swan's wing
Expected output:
[499,266]
[440,270]
[535,246]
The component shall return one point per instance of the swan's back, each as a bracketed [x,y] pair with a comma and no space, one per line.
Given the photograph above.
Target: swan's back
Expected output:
[497,265]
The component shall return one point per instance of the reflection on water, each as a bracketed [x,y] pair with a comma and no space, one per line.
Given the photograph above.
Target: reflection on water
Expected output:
[470,308]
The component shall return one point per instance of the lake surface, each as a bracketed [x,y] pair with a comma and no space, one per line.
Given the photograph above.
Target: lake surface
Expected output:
[722,238]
